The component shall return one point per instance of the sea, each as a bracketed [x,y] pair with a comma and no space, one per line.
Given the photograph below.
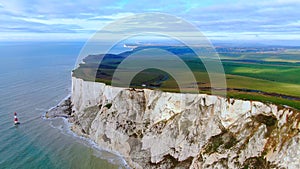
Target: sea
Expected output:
[35,76]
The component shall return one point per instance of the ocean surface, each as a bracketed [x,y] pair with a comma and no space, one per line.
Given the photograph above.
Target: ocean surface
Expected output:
[35,76]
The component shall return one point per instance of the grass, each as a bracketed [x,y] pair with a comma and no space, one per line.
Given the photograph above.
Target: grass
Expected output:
[225,140]
[253,71]
[276,73]
[237,81]
[264,99]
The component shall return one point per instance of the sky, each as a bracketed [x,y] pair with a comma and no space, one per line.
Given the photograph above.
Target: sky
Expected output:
[216,19]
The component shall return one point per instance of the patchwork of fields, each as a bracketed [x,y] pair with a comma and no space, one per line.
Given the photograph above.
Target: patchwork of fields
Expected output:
[267,74]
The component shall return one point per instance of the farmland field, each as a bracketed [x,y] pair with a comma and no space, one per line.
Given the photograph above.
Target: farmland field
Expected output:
[267,74]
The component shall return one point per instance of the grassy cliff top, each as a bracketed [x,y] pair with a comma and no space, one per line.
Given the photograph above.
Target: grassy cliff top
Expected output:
[252,73]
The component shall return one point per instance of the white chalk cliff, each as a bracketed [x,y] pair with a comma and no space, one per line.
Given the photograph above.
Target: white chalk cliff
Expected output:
[154,129]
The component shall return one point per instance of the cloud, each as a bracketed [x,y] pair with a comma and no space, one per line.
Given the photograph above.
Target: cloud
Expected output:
[261,17]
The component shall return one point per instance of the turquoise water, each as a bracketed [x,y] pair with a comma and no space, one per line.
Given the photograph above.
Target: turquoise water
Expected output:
[35,76]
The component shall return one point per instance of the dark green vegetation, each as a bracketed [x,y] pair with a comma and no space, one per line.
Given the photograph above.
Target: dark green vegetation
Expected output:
[225,140]
[267,74]
[258,162]
[108,105]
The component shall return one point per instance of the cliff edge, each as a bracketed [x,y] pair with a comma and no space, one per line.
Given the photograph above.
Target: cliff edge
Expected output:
[154,129]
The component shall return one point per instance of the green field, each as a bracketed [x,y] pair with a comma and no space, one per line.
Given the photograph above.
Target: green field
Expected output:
[267,75]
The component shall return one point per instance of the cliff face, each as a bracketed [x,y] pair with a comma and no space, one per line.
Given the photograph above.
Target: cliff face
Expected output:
[154,129]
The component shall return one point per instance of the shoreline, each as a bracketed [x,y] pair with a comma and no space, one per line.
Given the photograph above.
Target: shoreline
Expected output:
[59,112]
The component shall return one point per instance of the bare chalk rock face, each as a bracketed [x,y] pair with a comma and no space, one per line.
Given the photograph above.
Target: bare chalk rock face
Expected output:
[154,129]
